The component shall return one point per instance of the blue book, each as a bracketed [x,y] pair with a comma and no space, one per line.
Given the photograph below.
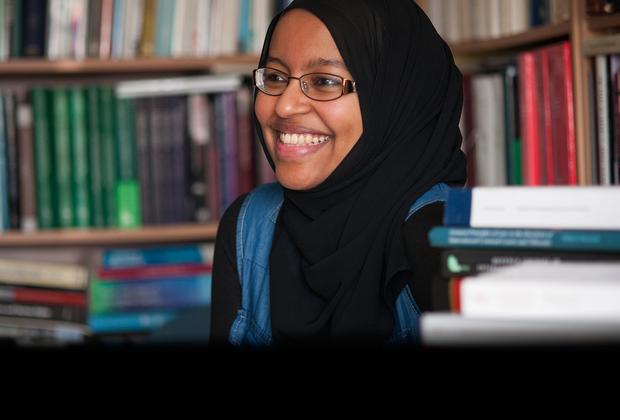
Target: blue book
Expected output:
[4,186]
[591,207]
[457,209]
[175,292]
[139,257]
[136,322]
[577,240]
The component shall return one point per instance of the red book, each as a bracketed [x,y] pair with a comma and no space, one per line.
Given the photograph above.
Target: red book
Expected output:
[529,119]
[547,149]
[42,296]
[153,272]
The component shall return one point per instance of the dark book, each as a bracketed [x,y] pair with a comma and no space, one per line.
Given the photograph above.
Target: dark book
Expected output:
[465,262]
[33,27]
[12,159]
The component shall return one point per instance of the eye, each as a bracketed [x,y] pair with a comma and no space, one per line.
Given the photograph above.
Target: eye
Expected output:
[325,82]
[273,77]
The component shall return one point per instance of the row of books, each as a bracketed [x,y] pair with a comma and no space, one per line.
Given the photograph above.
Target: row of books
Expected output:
[155,293]
[475,20]
[602,7]
[527,264]
[133,28]
[126,155]
[152,294]
[518,122]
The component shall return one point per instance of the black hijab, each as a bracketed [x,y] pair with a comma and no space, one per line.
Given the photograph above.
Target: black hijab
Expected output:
[338,247]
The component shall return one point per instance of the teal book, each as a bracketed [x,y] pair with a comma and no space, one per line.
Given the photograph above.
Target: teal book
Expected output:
[127,188]
[119,295]
[79,158]
[63,158]
[4,185]
[130,322]
[577,240]
[150,256]
[43,159]
[107,113]
[94,157]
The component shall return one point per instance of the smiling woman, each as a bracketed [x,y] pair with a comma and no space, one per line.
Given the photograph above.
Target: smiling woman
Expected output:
[357,108]
[308,128]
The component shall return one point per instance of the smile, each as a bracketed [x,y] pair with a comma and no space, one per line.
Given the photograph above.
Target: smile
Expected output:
[302,139]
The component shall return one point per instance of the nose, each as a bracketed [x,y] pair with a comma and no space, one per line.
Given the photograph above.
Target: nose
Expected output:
[292,101]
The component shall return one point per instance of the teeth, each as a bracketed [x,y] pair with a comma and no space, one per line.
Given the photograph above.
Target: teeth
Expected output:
[302,139]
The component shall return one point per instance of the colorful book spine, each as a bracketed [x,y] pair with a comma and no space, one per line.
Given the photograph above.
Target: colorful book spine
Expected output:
[117,295]
[62,154]
[139,257]
[130,322]
[460,237]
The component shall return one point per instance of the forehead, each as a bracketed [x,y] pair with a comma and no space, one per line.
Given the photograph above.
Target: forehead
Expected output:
[300,39]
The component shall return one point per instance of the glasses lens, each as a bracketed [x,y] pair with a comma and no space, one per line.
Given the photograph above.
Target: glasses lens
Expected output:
[322,87]
[270,81]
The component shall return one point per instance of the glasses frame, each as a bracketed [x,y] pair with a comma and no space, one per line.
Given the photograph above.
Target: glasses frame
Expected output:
[348,85]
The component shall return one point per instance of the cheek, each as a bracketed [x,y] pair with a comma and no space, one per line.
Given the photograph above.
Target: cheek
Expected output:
[345,120]
[264,108]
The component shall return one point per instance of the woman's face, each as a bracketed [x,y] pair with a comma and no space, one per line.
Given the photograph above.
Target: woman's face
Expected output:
[302,44]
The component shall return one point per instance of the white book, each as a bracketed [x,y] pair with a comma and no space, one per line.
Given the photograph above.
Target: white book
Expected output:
[602,113]
[542,207]
[452,329]
[178,86]
[542,290]
[490,148]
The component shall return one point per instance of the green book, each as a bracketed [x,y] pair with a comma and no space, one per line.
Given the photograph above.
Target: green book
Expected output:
[94,157]
[128,213]
[79,149]
[107,113]
[62,155]
[43,159]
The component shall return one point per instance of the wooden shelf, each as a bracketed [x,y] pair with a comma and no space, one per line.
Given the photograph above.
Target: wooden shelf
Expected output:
[41,66]
[111,237]
[599,23]
[522,40]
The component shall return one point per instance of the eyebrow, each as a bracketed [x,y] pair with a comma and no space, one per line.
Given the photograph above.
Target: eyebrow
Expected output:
[315,62]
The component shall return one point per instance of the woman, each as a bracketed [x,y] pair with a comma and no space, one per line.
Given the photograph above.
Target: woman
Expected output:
[357,107]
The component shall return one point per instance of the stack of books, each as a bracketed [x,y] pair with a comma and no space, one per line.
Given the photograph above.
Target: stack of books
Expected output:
[42,302]
[528,264]
[139,291]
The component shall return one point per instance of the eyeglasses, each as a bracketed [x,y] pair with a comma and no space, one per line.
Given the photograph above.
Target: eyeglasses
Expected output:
[317,86]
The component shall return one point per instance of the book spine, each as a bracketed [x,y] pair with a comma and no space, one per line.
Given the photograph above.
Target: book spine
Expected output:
[136,322]
[63,159]
[127,187]
[178,292]
[454,237]
[27,190]
[44,164]
[549,207]
[40,311]
[12,160]
[79,157]
[95,165]
[153,272]
[529,119]
[38,274]
[42,296]
[139,257]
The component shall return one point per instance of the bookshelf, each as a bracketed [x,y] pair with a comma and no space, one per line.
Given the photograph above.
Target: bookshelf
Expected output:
[578,29]
[111,237]
[24,67]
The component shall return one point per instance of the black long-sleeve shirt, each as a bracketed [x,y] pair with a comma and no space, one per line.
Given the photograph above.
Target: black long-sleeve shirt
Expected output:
[226,296]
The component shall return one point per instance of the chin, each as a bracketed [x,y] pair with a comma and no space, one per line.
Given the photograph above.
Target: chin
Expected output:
[294,183]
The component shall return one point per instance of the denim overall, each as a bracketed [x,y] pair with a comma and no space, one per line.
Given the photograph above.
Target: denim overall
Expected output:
[255,227]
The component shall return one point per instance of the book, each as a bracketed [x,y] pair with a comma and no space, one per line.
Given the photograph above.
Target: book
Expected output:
[109,296]
[150,256]
[543,290]
[545,207]
[452,329]
[130,322]
[579,240]
[43,274]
